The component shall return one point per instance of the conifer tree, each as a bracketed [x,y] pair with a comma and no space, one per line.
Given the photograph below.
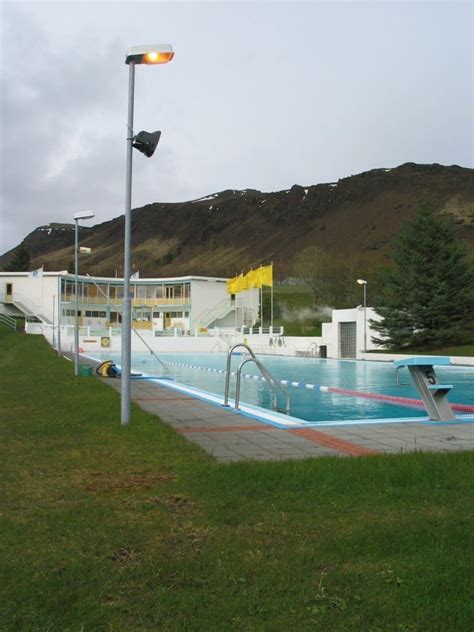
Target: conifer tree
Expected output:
[428,296]
[20,261]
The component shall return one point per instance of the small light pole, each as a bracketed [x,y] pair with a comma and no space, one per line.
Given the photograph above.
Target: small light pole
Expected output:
[146,143]
[364,283]
[77,217]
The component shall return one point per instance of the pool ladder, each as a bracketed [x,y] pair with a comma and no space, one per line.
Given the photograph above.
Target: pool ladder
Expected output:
[270,380]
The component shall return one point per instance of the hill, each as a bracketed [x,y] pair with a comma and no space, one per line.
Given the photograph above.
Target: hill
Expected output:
[225,232]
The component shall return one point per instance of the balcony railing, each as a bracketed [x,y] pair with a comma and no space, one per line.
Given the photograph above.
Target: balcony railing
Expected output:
[139,302]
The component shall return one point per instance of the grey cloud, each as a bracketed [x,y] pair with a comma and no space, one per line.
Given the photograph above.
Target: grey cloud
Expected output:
[260,95]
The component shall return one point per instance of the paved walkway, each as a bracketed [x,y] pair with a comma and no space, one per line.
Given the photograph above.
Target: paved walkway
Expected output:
[229,436]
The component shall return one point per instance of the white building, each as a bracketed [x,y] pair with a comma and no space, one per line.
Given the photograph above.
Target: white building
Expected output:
[199,306]
[182,303]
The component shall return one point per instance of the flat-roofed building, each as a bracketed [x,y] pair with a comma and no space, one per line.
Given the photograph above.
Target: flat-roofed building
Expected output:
[182,303]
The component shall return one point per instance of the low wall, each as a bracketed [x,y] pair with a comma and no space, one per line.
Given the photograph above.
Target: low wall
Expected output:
[261,343]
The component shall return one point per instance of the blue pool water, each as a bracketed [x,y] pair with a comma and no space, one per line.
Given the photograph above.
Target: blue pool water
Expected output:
[310,405]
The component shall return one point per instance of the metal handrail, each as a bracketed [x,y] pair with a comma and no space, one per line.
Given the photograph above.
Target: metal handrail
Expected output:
[272,382]
[8,321]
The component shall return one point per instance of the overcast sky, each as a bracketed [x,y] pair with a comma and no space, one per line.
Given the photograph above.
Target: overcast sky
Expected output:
[259,95]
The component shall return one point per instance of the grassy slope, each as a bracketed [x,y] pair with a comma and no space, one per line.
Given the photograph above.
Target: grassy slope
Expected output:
[107,528]
[292,300]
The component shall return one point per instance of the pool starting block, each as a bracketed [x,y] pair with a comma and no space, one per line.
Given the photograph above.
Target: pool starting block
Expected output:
[432,392]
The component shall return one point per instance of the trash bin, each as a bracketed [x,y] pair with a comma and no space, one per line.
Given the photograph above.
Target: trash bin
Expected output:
[85,370]
[323,351]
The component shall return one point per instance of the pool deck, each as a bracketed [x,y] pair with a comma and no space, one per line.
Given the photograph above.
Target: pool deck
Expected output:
[229,436]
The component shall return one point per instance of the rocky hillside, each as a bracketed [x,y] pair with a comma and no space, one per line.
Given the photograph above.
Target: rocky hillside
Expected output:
[224,232]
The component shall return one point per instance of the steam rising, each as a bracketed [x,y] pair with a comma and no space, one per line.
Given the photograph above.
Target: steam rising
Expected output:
[322,312]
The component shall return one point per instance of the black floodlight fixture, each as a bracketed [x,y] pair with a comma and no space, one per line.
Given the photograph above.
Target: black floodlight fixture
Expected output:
[146,142]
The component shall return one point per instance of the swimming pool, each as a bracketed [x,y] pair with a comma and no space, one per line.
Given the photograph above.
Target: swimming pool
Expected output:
[304,377]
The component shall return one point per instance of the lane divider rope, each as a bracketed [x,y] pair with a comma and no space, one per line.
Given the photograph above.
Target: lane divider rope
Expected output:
[393,399]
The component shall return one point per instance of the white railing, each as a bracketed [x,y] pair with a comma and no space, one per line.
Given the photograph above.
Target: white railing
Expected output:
[221,309]
[8,321]
[136,302]
[262,331]
[29,308]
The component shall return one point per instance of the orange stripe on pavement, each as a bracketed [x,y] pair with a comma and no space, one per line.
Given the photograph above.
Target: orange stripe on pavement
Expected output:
[224,428]
[341,445]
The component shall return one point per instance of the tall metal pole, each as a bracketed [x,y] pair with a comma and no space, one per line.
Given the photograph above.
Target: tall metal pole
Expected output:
[59,314]
[365,317]
[127,305]
[54,321]
[271,303]
[76,327]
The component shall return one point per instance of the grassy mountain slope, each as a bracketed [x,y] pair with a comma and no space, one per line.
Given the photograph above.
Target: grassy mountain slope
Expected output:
[227,231]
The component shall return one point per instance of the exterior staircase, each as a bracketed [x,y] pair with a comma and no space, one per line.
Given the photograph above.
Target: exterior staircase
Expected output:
[30,312]
[220,310]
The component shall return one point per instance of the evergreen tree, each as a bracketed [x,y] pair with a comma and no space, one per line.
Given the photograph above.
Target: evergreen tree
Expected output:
[20,261]
[428,298]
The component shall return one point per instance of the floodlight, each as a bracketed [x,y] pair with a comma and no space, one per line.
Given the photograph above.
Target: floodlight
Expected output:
[146,142]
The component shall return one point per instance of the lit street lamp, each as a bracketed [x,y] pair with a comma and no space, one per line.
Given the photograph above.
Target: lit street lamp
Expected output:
[77,217]
[145,142]
[364,283]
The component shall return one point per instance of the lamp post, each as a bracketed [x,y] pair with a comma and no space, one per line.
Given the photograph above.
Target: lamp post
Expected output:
[364,283]
[146,143]
[77,217]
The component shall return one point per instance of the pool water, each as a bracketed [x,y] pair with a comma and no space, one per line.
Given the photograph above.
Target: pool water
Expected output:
[205,371]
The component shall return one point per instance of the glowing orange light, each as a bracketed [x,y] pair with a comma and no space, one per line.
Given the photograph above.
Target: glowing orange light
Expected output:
[157,58]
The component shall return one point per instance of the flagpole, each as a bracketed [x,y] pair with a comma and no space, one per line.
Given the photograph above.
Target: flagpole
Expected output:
[251,300]
[271,300]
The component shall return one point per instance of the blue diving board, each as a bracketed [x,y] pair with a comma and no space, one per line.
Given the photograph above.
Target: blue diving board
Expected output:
[423,361]
[432,392]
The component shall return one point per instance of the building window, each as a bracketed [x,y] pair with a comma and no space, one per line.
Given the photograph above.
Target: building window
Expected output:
[141,291]
[115,317]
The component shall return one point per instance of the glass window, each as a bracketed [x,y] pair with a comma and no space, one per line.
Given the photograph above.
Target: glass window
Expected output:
[156,314]
[141,291]
[102,315]
[159,291]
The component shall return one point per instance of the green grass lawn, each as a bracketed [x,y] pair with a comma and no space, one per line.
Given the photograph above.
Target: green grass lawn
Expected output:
[111,528]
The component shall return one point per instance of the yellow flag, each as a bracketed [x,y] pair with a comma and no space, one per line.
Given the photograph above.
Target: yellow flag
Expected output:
[241,283]
[254,278]
[231,285]
[266,275]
